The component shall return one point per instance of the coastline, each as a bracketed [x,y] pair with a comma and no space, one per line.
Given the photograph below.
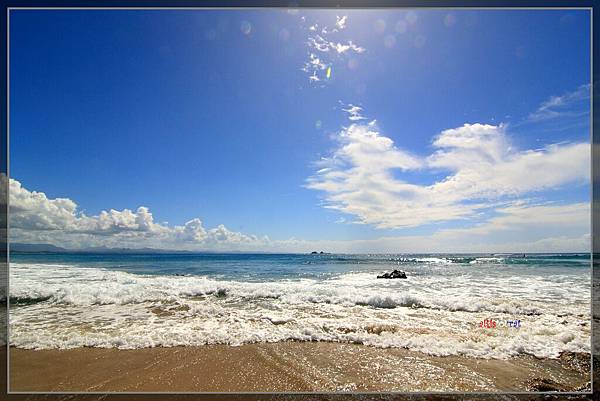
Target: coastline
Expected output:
[285,367]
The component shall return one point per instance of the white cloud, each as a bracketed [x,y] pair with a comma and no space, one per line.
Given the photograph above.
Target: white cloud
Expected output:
[318,43]
[316,62]
[560,106]
[36,218]
[34,210]
[363,175]
[531,217]
[522,228]
[533,228]
[354,113]
[485,165]
[343,48]
[222,235]
[191,231]
[363,178]
[526,228]
[31,210]
[324,52]
[340,22]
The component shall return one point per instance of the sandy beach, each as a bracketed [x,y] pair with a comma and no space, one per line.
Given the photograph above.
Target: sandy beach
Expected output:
[287,366]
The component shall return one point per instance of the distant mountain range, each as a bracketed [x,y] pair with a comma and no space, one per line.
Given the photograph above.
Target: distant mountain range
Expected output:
[35,248]
[48,248]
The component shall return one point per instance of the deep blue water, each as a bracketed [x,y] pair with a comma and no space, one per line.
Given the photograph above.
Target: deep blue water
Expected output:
[263,267]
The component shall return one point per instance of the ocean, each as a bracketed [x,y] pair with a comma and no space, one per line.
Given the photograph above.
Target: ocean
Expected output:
[487,306]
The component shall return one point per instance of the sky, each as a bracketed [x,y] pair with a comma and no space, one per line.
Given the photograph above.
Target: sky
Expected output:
[298,130]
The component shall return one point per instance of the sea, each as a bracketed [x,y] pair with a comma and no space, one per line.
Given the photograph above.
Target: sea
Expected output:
[483,306]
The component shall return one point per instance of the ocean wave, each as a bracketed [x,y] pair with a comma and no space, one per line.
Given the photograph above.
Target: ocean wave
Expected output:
[88,287]
[61,306]
[232,328]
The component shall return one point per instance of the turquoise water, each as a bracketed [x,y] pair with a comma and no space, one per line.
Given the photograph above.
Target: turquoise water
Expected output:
[257,267]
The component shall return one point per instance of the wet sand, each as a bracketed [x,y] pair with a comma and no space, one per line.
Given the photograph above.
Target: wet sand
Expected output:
[288,366]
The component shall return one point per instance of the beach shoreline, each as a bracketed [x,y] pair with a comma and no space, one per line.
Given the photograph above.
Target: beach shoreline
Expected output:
[286,367]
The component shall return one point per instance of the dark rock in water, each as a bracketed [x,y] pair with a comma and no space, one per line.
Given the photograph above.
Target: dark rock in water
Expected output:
[314,253]
[394,274]
[539,384]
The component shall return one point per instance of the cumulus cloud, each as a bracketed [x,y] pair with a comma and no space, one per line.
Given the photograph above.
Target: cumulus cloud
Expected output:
[484,174]
[32,210]
[564,105]
[36,218]
[192,231]
[223,236]
[363,175]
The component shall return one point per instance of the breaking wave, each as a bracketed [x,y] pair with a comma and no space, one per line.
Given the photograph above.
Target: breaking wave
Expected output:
[63,306]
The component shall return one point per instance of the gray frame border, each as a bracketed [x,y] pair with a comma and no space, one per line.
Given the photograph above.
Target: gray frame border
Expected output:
[299,7]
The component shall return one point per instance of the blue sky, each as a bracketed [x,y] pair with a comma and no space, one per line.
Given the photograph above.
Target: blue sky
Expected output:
[213,115]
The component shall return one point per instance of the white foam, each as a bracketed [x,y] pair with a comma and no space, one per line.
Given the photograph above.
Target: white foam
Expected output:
[439,315]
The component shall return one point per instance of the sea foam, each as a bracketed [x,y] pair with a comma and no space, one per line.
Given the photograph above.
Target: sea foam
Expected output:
[63,306]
